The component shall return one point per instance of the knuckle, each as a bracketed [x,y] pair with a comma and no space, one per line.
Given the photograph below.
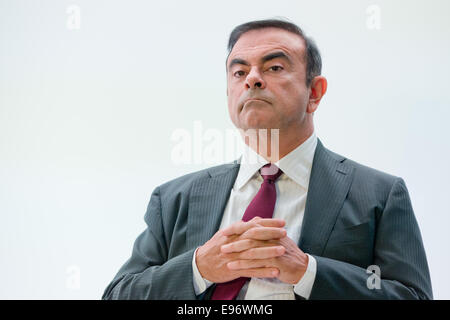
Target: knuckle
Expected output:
[248,243]
[266,272]
[221,255]
[238,264]
[247,254]
[251,253]
[274,250]
[250,226]
[253,232]
[220,233]
[253,243]
[249,233]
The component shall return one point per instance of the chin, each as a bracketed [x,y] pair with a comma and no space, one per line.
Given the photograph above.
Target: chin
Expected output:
[257,125]
[253,120]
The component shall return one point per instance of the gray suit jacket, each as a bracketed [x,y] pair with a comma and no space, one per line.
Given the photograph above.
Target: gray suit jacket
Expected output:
[355,217]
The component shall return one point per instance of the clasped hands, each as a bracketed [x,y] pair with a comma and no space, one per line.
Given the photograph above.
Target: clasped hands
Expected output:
[258,248]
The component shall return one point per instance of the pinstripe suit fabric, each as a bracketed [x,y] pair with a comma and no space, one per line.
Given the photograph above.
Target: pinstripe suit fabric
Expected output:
[355,217]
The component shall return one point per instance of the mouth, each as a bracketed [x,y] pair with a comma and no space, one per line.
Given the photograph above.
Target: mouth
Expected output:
[253,99]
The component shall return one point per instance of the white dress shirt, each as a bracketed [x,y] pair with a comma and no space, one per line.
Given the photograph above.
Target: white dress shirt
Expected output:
[292,189]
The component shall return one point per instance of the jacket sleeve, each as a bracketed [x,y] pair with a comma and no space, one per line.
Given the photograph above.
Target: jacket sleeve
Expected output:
[149,274]
[398,253]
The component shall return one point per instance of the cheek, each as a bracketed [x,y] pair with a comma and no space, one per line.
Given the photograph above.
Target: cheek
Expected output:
[233,99]
[231,103]
[232,108]
[295,96]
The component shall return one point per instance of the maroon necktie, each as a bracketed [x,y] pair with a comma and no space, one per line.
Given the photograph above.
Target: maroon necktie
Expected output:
[262,206]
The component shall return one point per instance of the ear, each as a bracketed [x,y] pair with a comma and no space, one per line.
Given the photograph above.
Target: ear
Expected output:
[317,90]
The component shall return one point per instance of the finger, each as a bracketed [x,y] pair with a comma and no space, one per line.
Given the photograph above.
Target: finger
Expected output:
[241,226]
[260,273]
[245,244]
[251,264]
[264,233]
[269,222]
[262,253]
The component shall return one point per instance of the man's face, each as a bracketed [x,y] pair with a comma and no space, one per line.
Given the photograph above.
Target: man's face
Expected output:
[267,65]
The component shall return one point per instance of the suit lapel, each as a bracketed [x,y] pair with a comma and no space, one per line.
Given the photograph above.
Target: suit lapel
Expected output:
[329,184]
[207,202]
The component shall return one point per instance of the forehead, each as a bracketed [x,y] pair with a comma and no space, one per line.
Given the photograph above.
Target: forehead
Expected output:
[255,43]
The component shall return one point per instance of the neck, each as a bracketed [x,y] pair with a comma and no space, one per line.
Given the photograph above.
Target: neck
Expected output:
[269,141]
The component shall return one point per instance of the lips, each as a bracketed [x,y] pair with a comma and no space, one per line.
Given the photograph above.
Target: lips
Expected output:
[252,99]
[241,107]
[255,99]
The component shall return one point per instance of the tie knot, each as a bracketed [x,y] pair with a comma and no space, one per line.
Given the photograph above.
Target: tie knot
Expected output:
[270,172]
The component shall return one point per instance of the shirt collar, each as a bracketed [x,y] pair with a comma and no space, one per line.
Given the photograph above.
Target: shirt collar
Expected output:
[296,164]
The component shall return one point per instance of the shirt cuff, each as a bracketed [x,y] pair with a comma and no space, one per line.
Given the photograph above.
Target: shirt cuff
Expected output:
[304,287]
[200,284]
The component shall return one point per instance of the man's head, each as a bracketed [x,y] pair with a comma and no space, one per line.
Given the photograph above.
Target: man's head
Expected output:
[273,62]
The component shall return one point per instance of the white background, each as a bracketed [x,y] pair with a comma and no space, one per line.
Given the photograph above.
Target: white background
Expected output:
[87,116]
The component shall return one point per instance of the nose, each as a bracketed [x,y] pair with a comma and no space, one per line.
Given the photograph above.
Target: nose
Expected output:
[254,80]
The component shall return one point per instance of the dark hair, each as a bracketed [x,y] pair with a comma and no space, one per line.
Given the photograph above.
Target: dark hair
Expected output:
[312,54]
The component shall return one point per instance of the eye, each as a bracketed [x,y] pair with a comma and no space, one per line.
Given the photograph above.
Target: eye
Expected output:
[239,73]
[276,68]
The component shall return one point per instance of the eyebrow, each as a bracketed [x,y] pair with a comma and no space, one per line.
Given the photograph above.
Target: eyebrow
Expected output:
[270,56]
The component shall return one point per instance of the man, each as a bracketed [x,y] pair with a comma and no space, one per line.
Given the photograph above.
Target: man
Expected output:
[302,223]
